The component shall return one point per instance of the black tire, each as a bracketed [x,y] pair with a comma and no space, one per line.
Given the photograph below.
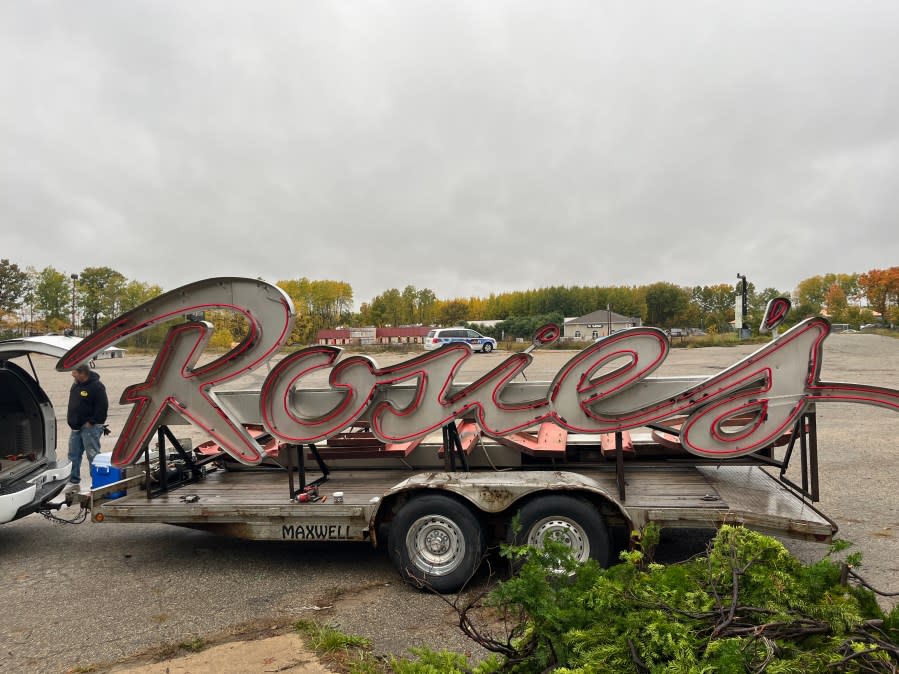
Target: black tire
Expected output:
[487,347]
[454,533]
[569,519]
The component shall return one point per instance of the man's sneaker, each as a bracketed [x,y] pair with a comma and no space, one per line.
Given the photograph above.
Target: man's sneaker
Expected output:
[72,487]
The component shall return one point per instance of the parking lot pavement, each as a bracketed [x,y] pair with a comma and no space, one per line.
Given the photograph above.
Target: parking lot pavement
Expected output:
[74,595]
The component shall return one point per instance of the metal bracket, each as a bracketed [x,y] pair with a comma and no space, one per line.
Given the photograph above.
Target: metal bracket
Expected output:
[806,429]
[300,466]
[194,467]
[452,448]
[619,464]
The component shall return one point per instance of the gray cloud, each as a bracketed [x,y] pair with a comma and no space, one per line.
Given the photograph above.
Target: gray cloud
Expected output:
[467,147]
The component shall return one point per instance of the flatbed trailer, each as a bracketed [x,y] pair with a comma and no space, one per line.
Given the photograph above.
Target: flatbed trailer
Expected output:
[254,505]
[437,470]
[457,514]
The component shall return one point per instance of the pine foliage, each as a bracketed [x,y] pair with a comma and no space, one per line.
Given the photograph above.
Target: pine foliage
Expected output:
[745,606]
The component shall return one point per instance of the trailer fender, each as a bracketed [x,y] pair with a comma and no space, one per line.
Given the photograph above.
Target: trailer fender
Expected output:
[492,493]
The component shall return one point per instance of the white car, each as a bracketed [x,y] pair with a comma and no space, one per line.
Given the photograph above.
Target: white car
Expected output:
[30,472]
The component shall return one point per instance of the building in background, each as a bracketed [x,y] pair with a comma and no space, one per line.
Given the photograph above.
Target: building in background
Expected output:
[597,324]
[409,334]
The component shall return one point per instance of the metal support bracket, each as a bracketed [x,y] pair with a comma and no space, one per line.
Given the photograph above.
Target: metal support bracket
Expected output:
[806,429]
[194,473]
[619,464]
[452,448]
[298,464]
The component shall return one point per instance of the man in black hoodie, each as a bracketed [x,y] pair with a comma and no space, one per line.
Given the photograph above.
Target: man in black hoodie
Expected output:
[88,405]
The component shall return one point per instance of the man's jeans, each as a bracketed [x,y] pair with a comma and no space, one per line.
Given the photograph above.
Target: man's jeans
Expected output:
[88,438]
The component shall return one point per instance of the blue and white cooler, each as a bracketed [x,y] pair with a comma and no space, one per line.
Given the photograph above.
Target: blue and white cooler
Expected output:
[104,473]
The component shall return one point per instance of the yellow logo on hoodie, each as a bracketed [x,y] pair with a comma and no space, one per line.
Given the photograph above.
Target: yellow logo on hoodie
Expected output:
[84,394]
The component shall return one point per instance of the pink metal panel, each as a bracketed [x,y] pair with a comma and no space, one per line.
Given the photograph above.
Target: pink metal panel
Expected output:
[607,442]
[550,440]
[469,434]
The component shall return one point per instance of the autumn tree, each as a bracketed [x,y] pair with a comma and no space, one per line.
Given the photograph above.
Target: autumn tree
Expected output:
[409,299]
[387,308]
[565,300]
[881,287]
[99,290]
[297,290]
[810,296]
[52,294]
[811,293]
[425,301]
[714,305]
[319,304]
[627,300]
[29,295]
[836,303]
[228,328]
[12,286]
[452,312]
[664,301]
[133,294]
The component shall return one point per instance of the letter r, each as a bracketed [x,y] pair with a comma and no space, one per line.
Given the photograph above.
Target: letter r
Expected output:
[174,384]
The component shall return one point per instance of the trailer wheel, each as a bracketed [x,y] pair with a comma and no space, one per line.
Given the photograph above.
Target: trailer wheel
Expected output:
[567,519]
[437,542]
[487,348]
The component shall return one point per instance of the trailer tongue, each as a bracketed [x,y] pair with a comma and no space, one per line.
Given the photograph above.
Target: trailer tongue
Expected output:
[437,470]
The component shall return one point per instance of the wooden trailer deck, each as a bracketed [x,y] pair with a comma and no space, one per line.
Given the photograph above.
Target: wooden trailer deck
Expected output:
[256,504]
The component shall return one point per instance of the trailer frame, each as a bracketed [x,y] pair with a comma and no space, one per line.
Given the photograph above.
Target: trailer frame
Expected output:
[258,505]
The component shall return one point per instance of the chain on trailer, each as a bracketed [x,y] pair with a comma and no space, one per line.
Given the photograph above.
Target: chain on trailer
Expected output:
[80,518]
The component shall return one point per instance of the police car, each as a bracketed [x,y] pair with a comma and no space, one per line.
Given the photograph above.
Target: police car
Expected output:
[477,341]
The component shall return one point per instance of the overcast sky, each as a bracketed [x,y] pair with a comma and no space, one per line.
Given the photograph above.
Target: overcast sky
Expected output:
[468,147]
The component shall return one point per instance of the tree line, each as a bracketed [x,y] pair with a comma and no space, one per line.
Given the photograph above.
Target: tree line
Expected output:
[50,300]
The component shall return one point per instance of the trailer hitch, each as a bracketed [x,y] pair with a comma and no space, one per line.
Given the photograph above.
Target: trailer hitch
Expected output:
[47,513]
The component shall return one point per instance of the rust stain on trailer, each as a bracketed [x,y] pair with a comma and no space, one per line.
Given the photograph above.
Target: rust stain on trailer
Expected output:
[496,498]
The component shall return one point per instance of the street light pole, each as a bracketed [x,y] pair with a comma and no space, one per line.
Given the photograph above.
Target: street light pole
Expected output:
[744,331]
[74,282]
[100,286]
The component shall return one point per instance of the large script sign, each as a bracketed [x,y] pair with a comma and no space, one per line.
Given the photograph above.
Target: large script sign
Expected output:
[604,388]
[175,382]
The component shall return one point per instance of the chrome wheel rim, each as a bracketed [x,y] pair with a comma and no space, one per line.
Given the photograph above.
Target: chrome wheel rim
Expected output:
[561,530]
[435,545]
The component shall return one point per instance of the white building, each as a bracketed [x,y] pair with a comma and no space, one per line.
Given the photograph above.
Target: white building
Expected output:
[597,324]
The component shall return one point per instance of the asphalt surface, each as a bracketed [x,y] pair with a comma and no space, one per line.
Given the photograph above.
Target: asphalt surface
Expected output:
[75,595]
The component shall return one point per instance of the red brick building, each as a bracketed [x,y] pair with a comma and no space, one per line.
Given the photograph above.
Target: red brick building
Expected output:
[413,334]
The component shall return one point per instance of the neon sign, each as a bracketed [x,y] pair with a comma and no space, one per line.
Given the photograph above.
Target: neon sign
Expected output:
[604,388]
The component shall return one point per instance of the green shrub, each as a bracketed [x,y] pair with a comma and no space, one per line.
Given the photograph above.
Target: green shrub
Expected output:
[746,606]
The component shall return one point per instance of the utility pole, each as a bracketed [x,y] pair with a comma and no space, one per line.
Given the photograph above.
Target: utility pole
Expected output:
[74,283]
